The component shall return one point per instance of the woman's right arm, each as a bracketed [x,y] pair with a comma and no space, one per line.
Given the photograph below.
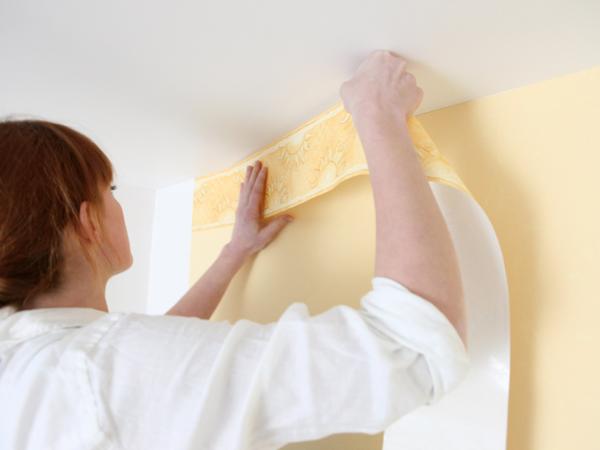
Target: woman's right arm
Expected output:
[413,243]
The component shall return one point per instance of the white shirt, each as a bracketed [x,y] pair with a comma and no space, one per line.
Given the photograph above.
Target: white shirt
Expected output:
[80,378]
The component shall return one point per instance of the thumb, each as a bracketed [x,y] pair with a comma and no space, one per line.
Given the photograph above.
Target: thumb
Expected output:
[273,228]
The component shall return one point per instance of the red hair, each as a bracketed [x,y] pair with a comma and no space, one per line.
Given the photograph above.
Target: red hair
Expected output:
[46,171]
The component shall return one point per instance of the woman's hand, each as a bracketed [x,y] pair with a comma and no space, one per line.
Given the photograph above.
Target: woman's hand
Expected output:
[250,233]
[382,83]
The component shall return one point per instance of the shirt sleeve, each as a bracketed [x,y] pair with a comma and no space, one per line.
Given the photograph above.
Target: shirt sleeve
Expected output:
[178,382]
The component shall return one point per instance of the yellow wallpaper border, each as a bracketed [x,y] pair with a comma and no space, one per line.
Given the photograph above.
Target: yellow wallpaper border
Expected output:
[308,161]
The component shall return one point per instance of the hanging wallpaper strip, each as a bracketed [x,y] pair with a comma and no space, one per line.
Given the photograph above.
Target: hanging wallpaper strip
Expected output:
[306,162]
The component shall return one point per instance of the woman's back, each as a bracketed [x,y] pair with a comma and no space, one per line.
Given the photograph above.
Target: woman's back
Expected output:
[82,378]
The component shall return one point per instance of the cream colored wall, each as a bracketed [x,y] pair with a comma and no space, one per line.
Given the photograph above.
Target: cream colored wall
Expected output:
[530,156]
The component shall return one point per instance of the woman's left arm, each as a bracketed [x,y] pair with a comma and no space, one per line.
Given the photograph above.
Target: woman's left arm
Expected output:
[204,296]
[250,235]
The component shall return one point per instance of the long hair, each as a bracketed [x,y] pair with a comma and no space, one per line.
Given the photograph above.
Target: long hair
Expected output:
[46,171]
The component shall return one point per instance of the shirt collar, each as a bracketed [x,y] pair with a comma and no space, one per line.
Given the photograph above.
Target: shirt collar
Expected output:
[18,325]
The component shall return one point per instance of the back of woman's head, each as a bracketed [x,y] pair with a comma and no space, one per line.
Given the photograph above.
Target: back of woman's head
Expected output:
[46,171]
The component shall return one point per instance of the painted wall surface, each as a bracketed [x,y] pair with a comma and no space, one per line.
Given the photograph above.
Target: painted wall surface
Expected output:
[326,258]
[318,172]
[530,156]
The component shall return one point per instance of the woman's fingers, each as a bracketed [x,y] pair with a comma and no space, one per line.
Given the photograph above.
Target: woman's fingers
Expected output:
[259,190]
[255,170]
[255,174]
[246,185]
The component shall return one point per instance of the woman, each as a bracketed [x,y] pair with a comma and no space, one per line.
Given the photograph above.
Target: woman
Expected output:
[75,376]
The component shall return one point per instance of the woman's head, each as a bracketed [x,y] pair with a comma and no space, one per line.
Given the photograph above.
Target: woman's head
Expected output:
[56,207]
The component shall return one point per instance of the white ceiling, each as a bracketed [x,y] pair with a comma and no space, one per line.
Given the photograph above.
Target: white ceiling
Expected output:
[175,89]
